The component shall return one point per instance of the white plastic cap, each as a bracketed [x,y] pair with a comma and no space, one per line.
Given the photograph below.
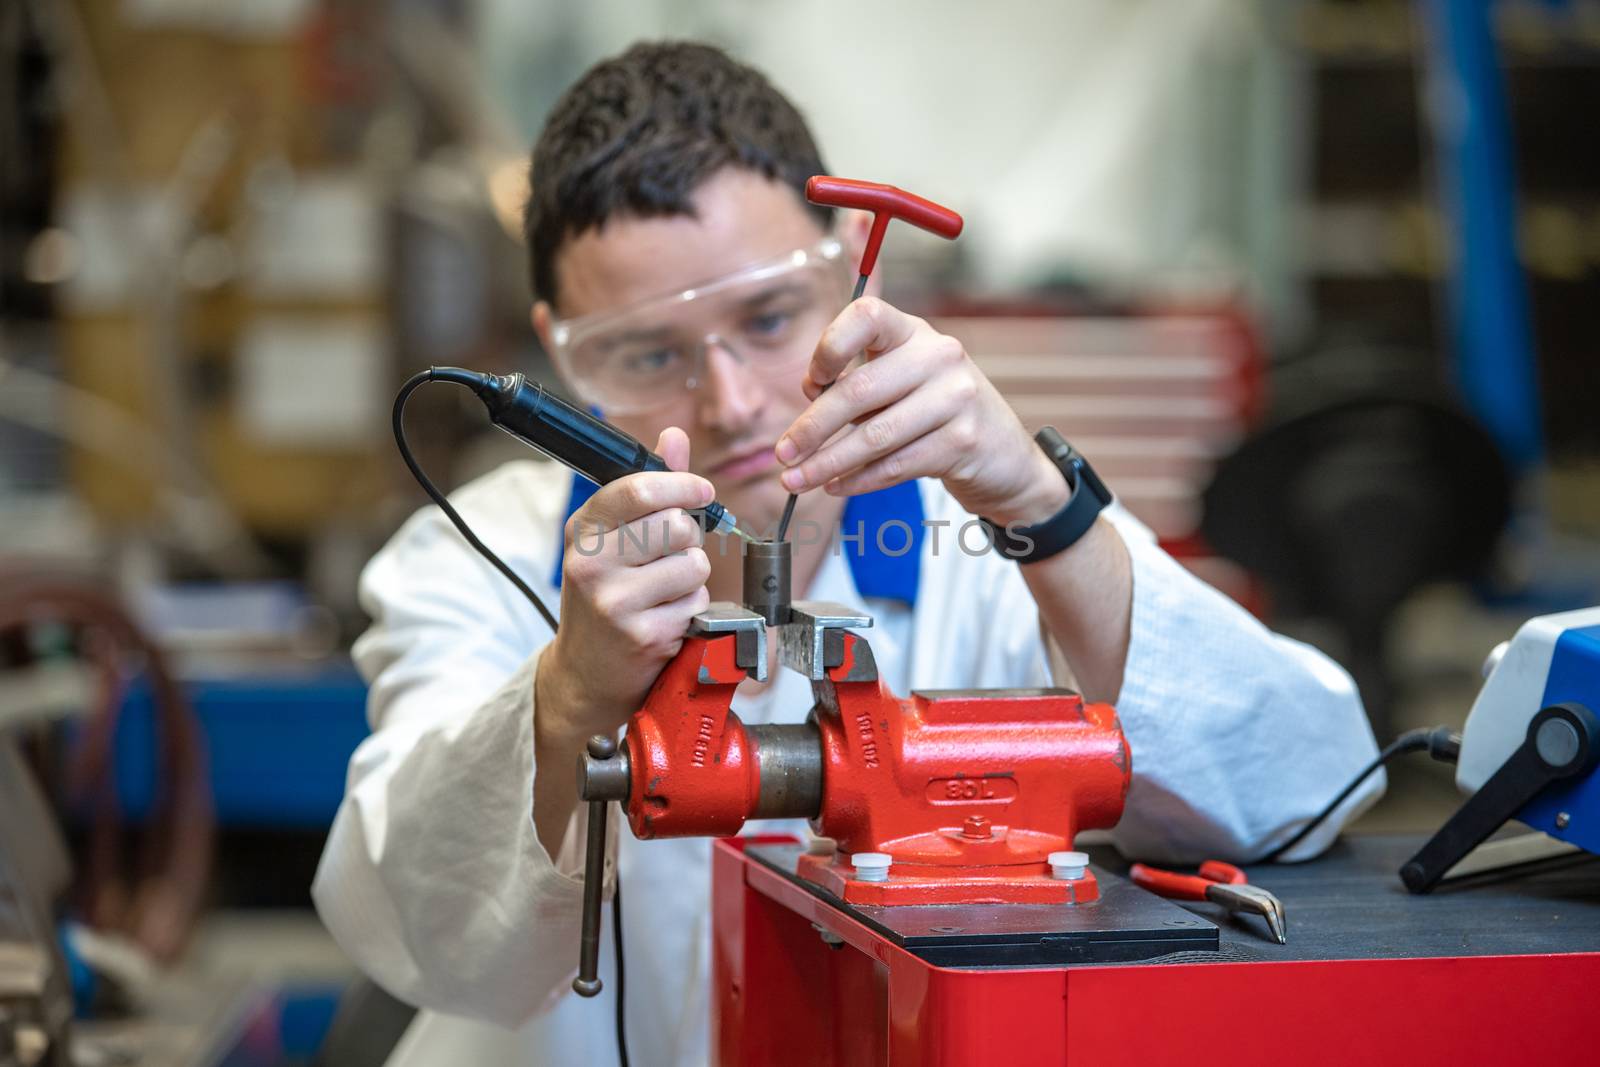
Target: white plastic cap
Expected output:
[1068,866]
[871,866]
[1496,654]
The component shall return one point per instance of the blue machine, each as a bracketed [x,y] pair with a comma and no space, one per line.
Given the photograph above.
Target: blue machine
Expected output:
[1531,746]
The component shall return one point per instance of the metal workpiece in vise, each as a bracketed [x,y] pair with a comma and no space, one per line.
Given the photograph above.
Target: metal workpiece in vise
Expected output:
[767,580]
[942,797]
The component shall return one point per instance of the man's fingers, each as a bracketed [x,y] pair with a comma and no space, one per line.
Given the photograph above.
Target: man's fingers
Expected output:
[673,446]
[925,457]
[889,430]
[869,326]
[659,631]
[641,540]
[652,584]
[865,389]
[685,607]
[638,495]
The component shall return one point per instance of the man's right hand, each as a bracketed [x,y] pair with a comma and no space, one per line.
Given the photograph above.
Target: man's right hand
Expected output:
[627,596]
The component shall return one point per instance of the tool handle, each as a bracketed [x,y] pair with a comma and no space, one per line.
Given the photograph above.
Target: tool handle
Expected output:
[565,432]
[881,199]
[592,447]
[885,202]
[1169,883]
[1226,873]
[587,984]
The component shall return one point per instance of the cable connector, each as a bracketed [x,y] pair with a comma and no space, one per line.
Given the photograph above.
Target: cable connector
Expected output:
[477,381]
[1444,744]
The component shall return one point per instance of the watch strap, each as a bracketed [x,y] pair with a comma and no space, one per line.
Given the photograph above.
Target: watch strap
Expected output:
[1030,544]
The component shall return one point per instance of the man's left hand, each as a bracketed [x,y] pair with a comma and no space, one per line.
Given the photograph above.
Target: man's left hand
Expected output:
[918,407]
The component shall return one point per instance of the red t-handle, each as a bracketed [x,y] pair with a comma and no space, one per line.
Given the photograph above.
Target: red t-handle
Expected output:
[885,202]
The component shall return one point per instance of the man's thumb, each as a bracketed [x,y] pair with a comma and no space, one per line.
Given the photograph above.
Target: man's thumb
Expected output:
[673,446]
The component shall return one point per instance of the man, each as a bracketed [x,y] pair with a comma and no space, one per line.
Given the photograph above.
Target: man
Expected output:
[686,288]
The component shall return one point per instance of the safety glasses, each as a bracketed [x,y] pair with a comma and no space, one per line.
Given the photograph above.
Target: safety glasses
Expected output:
[766,316]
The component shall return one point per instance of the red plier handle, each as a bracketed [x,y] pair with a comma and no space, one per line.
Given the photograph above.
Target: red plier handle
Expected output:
[1220,883]
[1186,886]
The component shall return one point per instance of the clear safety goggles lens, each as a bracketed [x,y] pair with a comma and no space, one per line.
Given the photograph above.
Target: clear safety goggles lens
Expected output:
[767,316]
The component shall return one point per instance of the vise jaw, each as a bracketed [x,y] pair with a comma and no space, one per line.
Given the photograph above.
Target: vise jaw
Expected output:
[811,642]
[749,632]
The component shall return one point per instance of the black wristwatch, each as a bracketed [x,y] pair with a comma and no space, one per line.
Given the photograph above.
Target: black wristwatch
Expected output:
[1030,544]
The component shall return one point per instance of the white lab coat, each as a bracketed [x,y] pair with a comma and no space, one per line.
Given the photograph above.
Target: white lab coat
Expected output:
[434,881]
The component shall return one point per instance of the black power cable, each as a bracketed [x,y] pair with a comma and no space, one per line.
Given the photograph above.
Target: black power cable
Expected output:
[1441,742]
[616,943]
[471,381]
[438,374]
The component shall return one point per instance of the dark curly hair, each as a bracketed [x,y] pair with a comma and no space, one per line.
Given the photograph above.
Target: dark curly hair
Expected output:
[638,133]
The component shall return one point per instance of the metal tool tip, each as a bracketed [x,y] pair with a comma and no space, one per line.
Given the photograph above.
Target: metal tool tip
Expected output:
[730,525]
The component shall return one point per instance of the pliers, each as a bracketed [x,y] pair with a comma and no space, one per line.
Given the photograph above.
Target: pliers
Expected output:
[1220,883]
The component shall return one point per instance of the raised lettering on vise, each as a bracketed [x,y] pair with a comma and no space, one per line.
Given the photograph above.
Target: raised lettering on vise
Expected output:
[996,789]
[869,747]
[702,741]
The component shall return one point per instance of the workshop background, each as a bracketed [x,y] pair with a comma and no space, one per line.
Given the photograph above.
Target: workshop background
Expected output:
[1315,284]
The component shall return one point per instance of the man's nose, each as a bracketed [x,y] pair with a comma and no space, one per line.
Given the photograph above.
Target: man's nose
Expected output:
[731,396]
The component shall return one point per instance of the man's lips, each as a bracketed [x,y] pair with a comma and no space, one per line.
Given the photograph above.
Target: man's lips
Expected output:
[745,464]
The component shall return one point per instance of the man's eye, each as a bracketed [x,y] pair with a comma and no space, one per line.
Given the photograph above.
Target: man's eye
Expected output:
[652,362]
[768,323]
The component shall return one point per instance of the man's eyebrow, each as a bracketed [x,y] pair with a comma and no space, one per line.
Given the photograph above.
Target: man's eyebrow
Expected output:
[770,293]
[632,337]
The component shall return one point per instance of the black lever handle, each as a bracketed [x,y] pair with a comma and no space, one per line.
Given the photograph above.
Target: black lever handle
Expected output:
[1563,741]
[602,777]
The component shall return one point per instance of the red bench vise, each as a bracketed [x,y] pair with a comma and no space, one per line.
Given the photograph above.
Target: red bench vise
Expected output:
[954,796]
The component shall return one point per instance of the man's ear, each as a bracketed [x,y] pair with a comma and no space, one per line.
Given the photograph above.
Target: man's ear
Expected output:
[854,227]
[541,319]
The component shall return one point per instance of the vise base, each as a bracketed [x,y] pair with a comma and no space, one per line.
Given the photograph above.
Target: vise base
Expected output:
[929,884]
[1124,924]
